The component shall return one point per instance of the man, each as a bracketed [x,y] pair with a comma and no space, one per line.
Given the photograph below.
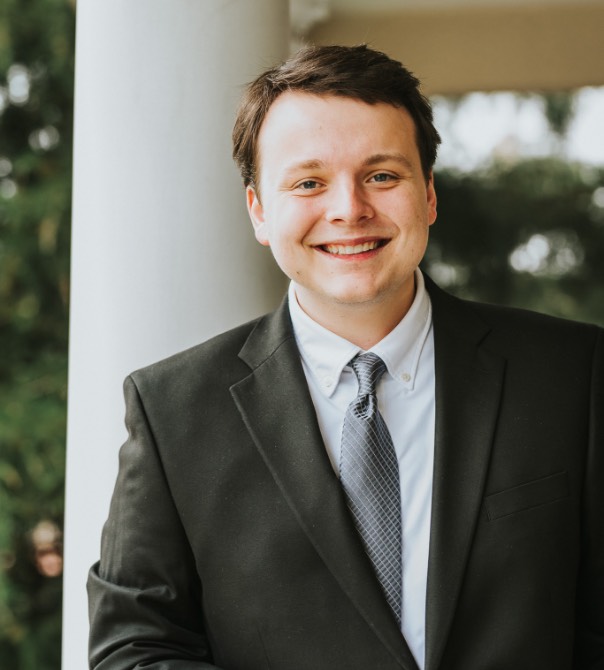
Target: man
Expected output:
[245,530]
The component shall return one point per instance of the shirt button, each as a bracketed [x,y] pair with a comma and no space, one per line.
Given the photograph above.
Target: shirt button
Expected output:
[328,382]
[406,377]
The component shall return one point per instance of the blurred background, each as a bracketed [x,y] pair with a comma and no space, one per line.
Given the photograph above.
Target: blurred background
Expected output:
[520,182]
[36,102]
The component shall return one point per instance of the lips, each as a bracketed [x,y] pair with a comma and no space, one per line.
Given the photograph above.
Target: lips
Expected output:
[352,249]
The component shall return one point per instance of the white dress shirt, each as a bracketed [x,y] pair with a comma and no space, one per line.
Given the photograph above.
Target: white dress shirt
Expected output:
[406,400]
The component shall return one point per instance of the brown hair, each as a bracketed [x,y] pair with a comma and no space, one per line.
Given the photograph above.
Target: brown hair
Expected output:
[355,72]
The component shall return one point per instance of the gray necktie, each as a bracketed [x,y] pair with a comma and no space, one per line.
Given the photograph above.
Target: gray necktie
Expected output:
[370,478]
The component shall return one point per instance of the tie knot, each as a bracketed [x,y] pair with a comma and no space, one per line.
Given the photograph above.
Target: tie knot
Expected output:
[368,368]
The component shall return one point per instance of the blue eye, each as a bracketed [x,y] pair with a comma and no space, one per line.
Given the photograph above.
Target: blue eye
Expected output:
[382,177]
[308,185]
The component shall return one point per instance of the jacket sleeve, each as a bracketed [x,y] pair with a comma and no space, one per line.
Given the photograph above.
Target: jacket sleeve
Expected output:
[145,597]
[589,640]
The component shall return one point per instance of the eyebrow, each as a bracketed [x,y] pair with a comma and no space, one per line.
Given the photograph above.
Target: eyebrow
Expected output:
[382,158]
[375,159]
[311,164]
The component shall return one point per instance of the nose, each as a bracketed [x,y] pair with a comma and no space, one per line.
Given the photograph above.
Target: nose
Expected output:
[348,203]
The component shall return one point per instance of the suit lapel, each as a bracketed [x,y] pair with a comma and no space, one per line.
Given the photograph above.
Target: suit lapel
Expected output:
[277,410]
[468,388]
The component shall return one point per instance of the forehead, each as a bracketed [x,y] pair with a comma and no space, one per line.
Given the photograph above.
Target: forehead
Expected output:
[306,126]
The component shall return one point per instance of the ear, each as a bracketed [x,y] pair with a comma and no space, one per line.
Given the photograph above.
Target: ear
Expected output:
[431,199]
[256,212]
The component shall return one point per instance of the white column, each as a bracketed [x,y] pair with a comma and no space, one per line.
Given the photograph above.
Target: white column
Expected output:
[163,254]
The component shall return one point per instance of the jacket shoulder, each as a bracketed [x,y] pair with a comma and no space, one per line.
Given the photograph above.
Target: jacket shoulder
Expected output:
[514,317]
[217,357]
[449,307]
[511,330]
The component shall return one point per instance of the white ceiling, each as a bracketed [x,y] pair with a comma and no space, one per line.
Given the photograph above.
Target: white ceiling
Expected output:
[489,44]
[397,5]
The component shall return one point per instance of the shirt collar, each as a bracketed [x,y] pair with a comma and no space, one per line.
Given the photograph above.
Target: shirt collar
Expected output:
[326,354]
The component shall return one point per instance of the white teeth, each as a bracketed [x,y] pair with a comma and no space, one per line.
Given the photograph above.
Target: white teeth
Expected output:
[349,250]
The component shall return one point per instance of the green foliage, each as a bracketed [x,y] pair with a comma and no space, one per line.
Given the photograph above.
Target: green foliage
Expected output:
[559,111]
[32,417]
[36,102]
[544,216]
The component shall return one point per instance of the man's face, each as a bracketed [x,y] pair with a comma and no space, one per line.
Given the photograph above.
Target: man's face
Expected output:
[343,202]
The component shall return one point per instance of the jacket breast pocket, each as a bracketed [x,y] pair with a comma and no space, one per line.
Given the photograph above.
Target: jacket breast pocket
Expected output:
[525,496]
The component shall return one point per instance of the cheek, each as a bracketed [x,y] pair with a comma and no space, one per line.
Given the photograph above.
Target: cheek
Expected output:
[417,215]
[282,237]
[294,221]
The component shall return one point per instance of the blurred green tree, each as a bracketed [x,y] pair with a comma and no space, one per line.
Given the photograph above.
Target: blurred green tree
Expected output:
[36,103]
[528,233]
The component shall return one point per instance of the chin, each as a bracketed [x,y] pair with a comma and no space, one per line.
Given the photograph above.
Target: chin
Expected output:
[356,297]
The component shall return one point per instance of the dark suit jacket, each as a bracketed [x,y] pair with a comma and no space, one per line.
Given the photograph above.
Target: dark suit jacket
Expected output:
[229,542]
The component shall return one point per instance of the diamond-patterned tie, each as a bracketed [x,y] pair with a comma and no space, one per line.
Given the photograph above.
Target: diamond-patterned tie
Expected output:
[370,478]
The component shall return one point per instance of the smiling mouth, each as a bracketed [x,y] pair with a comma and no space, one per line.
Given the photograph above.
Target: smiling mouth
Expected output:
[350,250]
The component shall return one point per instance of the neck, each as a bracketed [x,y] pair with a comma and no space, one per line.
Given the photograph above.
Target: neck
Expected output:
[362,324]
